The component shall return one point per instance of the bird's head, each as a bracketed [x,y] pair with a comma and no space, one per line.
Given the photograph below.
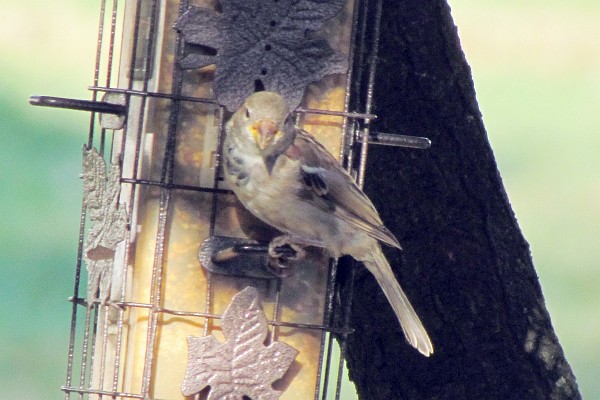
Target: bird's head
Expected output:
[263,120]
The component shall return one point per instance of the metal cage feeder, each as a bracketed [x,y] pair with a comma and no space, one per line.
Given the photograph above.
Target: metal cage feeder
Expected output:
[161,199]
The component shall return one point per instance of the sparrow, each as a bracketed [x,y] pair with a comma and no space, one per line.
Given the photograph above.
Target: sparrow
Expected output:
[286,178]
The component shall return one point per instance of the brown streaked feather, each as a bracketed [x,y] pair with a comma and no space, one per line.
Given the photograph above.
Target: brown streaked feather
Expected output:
[335,186]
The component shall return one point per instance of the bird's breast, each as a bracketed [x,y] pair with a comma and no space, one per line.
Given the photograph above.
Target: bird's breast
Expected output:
[271,196]
[275,199]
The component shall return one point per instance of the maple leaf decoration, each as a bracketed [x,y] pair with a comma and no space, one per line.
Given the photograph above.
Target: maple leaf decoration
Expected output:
[108,221]
[243,365]
[261,45]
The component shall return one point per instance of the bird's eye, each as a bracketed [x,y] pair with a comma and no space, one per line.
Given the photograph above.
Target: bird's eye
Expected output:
[247,113]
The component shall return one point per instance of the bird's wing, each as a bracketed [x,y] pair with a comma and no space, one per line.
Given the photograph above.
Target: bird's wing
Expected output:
[330,187]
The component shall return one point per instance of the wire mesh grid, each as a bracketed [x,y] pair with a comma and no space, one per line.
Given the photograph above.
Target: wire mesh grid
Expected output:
[98,364]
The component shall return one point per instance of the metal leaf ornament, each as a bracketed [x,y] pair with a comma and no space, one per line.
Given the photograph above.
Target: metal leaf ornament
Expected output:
[243,365]
[108,221]
[261,45]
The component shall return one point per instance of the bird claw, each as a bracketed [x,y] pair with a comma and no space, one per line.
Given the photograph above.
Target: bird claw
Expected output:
[286,251]
[281,252]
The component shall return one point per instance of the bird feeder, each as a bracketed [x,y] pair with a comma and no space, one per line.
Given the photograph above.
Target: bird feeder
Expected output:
[181,300]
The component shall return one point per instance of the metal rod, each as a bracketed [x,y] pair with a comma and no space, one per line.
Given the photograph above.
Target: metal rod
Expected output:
[85,349]
[156,279]
[125,263]
[97,72]
[276,310]
[387,139]
[219,150]
[213,209]
[343,338]
[141,110]
[132,92]
[146,93]
[113,395]
[111,43]
[333,264]
[346,133]
[156,291]
[75,104]
[134,45]
[102,313]
[120,323]
[239,250]
[172,186]
[347,114]
[78,264]
[181,313]
[357,83]
[370,89]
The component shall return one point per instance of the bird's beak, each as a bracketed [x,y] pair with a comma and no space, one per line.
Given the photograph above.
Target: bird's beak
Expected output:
[264,130]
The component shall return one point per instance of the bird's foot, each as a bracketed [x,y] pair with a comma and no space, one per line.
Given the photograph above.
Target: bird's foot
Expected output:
[286,251]
[292,246]
[283,250]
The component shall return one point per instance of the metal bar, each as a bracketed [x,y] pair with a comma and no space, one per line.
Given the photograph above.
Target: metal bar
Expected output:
[162,95]
[78,263]
[121,312]
[276,310]
[97,69]
[343,340]
[164,205]
[326,318]
[240,250]
[102,311]
[349,74]
[155,291]
[108,67]
[357,77]
[361,49]
[215,188]
[102,141]
[346,114]
[75,104]
[136,36]
[94,342]
[387,139]
[172,186]
[213,215]
[113,394]
[99,43]
[97,78]
[131,304]
[120,322]
[207,303]
[132,92]
[84,351]
[370,87]
[125,263]
[111,43]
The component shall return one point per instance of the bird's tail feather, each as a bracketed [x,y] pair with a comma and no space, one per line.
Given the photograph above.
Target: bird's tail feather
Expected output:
[411,325]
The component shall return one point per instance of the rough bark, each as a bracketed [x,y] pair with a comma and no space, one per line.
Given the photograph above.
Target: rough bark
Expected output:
[465,266]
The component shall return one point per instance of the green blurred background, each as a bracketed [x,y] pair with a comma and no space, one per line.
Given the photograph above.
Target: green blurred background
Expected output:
[536,66]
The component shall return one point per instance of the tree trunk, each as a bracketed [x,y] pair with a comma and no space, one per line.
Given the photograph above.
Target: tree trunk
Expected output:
[465,266]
